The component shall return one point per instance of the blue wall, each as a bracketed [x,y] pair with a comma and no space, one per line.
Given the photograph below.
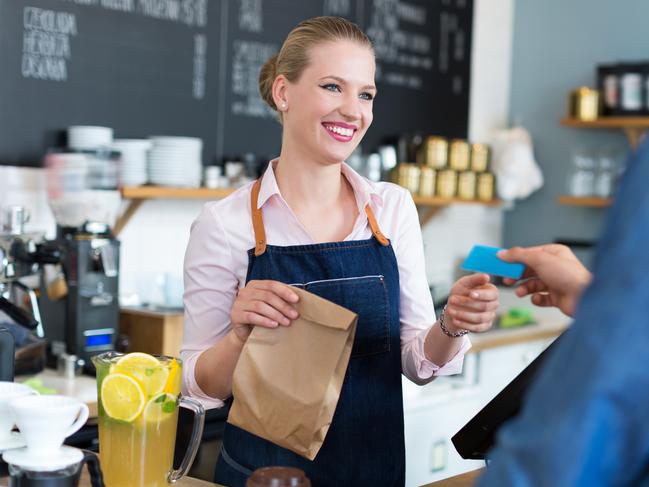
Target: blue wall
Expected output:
[557,44]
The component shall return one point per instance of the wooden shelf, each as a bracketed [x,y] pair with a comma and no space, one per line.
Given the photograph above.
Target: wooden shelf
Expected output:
[139,194]
[635,128]
[608,122]
[161,192]
[437,201]
[591,201]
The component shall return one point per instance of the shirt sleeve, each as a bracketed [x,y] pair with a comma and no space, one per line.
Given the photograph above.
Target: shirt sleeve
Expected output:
[417,313]
[210,289]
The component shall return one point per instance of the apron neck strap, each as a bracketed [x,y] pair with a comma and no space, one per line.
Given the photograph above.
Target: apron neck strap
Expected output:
[376,231]
[260,232]
[257,220]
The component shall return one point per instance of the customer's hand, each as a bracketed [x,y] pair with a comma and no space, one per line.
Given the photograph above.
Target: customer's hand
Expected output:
[554,276]
[472,304]
[262,303]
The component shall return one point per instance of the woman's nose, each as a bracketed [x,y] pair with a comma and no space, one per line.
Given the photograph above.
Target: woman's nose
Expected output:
[351,108]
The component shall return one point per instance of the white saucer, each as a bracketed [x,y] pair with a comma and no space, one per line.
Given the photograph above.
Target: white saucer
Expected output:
[64,457]
[16,441]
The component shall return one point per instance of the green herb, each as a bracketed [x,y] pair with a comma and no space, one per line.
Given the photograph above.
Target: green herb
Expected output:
[160,398]
[169,407]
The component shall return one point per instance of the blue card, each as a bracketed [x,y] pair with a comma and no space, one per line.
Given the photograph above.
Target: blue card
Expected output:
[484,259]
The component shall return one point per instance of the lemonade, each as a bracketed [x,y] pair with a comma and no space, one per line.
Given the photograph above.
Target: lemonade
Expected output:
[138,414]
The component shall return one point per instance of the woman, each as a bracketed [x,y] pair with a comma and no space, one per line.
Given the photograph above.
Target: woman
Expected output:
[312,220]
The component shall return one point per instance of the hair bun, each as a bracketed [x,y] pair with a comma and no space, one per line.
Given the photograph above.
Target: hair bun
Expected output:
[267,76]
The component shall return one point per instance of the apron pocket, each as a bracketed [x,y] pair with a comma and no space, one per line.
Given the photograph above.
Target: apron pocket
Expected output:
[367,296]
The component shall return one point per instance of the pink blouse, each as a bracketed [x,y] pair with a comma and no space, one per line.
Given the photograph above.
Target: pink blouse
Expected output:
[216,263]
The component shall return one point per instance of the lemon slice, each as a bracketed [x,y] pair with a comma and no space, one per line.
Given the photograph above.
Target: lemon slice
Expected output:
[122,397]
[145,368]
[160,408]
[173,386]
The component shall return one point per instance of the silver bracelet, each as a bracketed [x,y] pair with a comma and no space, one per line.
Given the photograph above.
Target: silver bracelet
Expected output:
[452,334]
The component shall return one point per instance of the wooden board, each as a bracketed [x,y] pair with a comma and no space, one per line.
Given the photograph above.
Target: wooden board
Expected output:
[152,332]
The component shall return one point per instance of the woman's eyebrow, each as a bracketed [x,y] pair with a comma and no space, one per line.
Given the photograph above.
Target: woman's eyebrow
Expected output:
[342,81]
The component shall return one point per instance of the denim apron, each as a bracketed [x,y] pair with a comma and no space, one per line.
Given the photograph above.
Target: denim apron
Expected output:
[365,442]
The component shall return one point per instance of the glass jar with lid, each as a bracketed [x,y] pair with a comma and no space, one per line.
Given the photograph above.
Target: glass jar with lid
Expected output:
[581,181]
[459,154]
[447,183]
[486,186]
[427,180]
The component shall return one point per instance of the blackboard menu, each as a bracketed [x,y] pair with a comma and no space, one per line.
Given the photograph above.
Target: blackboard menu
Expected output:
[190,67]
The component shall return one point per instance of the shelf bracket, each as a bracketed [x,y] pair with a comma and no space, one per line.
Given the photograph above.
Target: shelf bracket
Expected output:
[427,214]
[634,136]
[131,209]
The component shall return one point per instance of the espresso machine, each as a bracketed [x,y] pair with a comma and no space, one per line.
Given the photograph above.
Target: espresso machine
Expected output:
[86,321]
[22,256]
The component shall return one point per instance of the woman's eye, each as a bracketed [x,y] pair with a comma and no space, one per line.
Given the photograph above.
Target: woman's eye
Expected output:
[331,87]
[367,96]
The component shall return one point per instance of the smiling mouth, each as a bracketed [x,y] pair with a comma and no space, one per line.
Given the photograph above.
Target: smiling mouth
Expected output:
[342,134]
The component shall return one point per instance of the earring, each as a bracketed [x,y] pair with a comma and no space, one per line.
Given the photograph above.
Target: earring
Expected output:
[283,105]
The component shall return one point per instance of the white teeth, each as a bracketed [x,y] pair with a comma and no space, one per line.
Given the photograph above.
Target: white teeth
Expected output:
[340,130]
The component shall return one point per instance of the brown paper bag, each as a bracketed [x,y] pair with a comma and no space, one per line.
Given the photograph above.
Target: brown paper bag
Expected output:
[287,381]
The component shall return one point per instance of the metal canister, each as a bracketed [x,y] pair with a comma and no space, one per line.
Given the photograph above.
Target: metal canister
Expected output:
[434,152]
[427,179]
[458,158]
[583,103]
[480,157]
[466,187]
[408,176]
[447,183]
[485,186]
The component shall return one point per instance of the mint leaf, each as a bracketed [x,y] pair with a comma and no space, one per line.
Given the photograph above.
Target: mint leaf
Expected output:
[169,407]
[160,398]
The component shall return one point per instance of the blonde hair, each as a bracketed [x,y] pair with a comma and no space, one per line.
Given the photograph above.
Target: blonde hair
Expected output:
[293,57]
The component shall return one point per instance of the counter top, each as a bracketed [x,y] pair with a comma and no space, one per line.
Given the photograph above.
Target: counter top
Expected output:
[550,323]
[83,387]
[463,480]
[85,481]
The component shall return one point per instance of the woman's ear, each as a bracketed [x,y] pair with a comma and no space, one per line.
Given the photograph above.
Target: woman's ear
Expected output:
[280,95]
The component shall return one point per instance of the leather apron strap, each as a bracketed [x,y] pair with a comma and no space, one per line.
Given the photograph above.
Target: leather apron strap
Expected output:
[257,220]
[260,232]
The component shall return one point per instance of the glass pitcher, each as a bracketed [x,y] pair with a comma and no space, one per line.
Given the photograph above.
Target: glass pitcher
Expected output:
[138,399]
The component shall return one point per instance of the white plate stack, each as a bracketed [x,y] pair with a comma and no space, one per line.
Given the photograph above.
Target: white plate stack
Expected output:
[135,154]
[87,137]
[175,161]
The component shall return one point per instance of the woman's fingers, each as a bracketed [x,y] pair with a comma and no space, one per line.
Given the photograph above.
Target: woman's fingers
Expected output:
[473,303]
[255,319]
[488,292]
[472,327]
[264,309]
[471,318]
[284,291]
[276,302]
[470,304]
[265,303]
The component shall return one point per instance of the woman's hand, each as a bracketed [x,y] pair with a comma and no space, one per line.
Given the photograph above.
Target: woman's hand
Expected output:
[262,303]
[472,304]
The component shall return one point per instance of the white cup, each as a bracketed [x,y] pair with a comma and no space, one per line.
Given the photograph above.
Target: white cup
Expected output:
[8,392]
[46,421]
